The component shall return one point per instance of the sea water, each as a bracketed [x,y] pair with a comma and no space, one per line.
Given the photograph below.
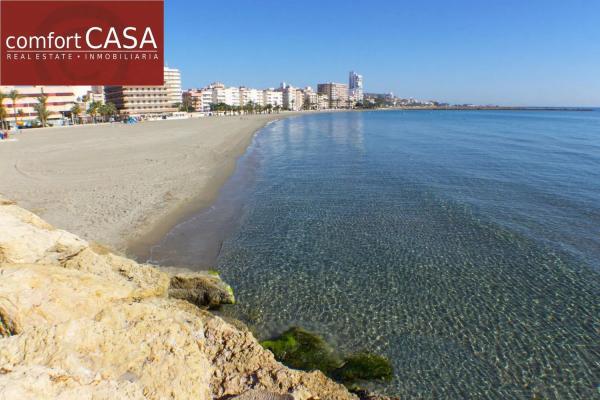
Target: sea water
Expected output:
[464,246]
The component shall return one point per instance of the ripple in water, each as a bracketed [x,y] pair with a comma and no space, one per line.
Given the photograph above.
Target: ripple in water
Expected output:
[461,258]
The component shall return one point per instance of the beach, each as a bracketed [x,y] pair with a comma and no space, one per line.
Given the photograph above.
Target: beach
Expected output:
[124,186]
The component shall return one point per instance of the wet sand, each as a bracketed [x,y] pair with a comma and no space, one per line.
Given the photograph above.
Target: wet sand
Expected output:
[125,186]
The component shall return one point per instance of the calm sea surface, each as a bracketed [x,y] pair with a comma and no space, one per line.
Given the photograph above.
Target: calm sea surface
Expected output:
[465,246]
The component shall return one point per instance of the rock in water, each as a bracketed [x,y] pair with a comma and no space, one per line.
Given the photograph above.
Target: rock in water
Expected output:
[364,367]
[300,349]
[202,288]
[77,322]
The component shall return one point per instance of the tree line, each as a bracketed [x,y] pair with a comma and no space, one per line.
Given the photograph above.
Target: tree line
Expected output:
[96,109]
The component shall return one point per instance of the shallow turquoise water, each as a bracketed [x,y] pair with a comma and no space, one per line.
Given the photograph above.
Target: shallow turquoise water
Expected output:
[463,245]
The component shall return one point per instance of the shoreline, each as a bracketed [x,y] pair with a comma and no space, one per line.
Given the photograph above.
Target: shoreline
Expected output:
[126,186]
[140,247]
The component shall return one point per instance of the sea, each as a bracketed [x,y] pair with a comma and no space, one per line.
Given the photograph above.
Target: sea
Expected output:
[462,245]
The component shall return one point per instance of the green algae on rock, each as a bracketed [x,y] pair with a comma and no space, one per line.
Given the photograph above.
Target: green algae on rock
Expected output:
[364,366]
[300,349]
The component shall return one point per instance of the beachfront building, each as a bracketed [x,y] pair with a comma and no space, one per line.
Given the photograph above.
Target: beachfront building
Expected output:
[227,95]
[355,85]
[140,100]
[60,100]
[254,96]
[147,100]
[96,94]
[337,93]
[310,99]
[173,85]
[322,101]
[292,97]
[272,97]
[193,98]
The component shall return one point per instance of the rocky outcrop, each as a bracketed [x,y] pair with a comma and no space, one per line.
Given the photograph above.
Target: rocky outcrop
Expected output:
[77,321]
[202,288]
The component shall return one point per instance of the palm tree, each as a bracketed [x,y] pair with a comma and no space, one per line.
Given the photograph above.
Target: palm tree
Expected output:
[42,109]
[93,109]
[2,110]
[111,109]
[3,115]
[14,96]
[75,112]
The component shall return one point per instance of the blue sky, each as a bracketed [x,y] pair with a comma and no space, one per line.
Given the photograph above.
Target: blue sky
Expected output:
[527,52]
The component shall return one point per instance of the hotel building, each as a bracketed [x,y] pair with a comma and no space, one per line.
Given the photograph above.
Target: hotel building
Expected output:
[143,100]
[337,93]
[140,100]
[59,103]
[173,85]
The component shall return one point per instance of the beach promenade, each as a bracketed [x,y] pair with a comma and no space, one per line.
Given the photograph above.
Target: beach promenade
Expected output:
[124,185]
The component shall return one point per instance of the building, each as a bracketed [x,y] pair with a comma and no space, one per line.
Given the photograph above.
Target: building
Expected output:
[60,100]
[355,84]
[254,96]
[323,101]
[96,94]
[337,93]
[173,85]
[144,100]
[227,95]
[193,97]
[310,100]
[272,97]
[140,100]
[292,98]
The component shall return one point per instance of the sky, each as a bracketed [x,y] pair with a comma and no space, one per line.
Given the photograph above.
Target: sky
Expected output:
[505,52]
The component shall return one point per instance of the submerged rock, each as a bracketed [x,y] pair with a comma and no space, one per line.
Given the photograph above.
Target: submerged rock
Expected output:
[202,288]
[300,349]
[364,367]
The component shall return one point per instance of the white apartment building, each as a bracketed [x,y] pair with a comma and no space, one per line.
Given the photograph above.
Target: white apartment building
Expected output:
[227,95]
[292,98]
[248,95]
[272,97]
[355,87]
[59,103]
[206,96]
[311,98]
[173,85]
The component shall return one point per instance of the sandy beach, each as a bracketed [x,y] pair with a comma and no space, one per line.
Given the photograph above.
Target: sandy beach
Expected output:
[124,186]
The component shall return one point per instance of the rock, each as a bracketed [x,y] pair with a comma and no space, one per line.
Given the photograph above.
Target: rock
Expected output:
[152,346]
[79,322]
[240,363]
[364,366]
[300,349]
[37,295]
[263,395]
[38,382]
[202,288]
[26,238]
[148,280]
